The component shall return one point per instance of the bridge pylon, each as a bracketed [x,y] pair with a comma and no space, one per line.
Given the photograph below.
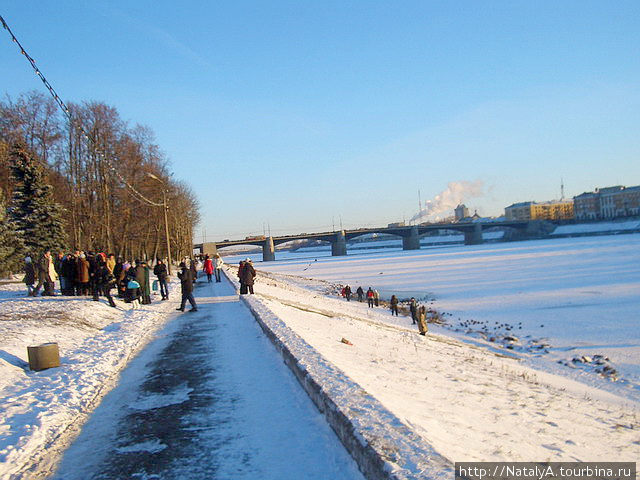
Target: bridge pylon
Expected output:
[411,241]
[268,250]
[339,244]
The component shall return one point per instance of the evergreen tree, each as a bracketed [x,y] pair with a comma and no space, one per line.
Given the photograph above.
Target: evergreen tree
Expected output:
[11,244]
[39,219]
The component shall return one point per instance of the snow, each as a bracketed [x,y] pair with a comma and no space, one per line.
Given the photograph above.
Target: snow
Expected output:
[575,297]
[515,373]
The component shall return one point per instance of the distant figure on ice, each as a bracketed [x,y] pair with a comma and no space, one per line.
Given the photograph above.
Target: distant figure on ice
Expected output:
[218,263]
[360,294]
[346,292]
[413,308]
[370,297]
[243,287]
[160,271]
[208,268]
[376,298]
[248,276]
[394,305]
[186,282]
[422,320]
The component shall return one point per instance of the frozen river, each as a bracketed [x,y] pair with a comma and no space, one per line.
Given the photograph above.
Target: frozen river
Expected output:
[578,296]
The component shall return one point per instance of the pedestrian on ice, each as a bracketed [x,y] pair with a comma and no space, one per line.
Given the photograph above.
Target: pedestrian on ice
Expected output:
[347,293]
[394,305]
[218,263]
[208,268]
[160,271]
[422,320]
[376,298]
[29,275]
[360,293]
[186,282]
[248,276]
[370,298]
[413,308]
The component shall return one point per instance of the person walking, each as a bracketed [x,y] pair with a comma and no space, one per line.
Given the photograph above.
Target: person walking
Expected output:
[360,294]
[413,308]
[248,276]
[160,271]
[208,268]
[347,293]
[186,282]
[193,266]
[29,275]
[44,275]
[393,303]
[370,298]
[376,298]
[218,263]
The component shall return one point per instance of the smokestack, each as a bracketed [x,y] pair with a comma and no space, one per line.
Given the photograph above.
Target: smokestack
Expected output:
[455,194]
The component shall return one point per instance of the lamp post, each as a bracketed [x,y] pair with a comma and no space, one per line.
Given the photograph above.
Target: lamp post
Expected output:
[166,222]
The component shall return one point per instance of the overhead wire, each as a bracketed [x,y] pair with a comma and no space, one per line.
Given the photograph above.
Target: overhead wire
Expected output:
[76,123]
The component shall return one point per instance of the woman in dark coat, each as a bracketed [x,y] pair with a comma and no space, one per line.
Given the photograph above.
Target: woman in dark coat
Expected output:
[248,275]
[142,276]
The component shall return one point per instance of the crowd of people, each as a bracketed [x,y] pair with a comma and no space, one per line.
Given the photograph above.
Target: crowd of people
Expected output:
[95,275]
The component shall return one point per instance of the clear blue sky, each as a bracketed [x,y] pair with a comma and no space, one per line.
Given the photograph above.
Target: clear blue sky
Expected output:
[296,113]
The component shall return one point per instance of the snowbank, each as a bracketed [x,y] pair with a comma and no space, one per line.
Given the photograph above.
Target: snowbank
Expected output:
[42,410]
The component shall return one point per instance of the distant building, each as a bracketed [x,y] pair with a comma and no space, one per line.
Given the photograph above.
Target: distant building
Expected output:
[608,203]
[461,212]
[553,210]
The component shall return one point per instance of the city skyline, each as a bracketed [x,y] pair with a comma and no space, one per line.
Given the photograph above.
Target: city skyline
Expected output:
[298,116]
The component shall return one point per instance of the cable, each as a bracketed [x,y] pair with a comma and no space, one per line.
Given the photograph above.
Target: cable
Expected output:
[75,123]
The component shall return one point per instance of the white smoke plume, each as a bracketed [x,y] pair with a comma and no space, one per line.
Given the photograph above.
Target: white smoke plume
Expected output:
[447,200]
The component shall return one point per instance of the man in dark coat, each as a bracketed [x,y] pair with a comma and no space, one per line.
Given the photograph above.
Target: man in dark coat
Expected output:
[142,277]
[413,308]
[68,271]
[105,281]
[44,277]
[360,293]
[248,275]
[186,282]
[160,271]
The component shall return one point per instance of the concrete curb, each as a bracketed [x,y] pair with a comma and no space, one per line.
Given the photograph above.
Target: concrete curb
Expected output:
[383,447]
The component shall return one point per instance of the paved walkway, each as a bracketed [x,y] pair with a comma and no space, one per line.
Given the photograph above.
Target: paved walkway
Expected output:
[209,399]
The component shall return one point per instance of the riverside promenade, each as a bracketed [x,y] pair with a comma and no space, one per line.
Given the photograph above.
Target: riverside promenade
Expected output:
[211,398]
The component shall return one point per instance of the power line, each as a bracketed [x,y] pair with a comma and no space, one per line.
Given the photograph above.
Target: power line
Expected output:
[75,123]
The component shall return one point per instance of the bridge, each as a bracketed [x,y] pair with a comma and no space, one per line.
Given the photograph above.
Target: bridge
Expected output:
[410,237]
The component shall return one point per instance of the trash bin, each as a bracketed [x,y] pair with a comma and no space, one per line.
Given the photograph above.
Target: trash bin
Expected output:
[43,356]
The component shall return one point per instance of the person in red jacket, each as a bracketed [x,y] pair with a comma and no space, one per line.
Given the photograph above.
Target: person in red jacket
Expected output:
[208,268]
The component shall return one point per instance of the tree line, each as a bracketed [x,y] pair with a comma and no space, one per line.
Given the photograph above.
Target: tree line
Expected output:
[60,190]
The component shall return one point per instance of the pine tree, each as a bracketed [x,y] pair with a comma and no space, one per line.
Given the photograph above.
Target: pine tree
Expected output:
[11,244]
[39,219]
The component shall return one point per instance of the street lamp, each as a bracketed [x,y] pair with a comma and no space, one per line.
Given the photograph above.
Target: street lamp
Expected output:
[166,222]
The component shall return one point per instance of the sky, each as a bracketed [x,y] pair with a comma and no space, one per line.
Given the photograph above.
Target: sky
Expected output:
[288,117]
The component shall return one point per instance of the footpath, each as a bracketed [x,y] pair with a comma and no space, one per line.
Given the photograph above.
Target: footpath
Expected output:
[210,398]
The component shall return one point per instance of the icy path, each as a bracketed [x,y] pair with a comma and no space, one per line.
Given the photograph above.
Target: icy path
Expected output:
[209,399]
